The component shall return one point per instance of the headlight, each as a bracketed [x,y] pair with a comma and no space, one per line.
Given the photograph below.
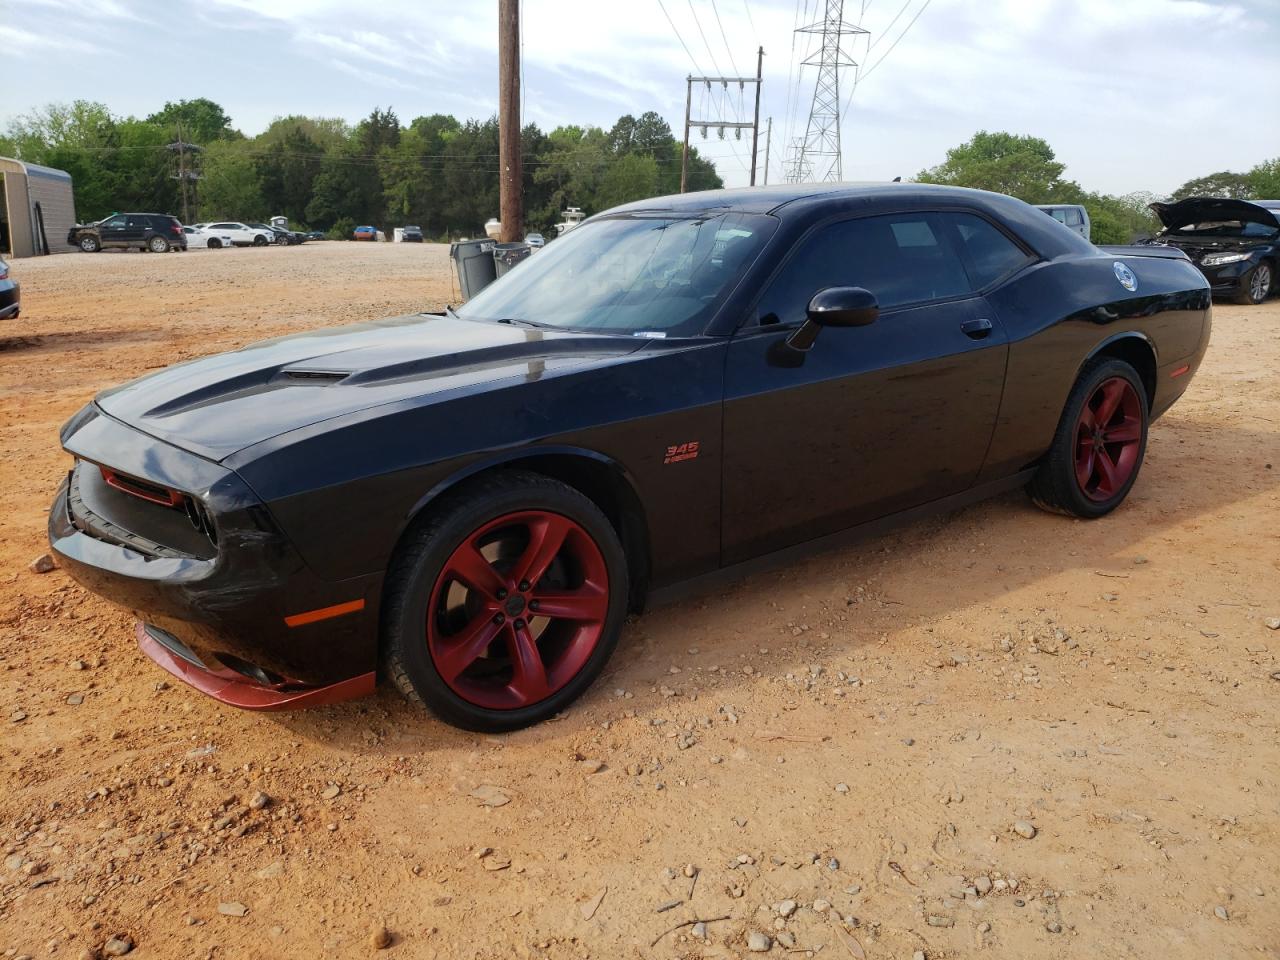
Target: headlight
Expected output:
[1218,259]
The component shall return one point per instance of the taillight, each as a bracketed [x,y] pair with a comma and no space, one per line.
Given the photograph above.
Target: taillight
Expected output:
[177,228]
[4,272]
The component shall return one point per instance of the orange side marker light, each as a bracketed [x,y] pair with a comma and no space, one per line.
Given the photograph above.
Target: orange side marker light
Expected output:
[324,613]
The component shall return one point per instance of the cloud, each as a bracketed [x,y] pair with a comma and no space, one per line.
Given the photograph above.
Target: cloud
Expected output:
[24,43]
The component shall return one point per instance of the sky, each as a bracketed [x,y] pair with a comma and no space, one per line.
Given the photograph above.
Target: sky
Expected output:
[1131,94]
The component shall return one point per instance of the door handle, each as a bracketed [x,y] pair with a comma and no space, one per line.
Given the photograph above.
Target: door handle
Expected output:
[976,329]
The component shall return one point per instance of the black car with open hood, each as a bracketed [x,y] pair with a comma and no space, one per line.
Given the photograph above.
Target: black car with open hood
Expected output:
[1235,243]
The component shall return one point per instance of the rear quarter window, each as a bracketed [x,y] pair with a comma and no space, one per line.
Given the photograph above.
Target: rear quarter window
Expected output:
[989,254]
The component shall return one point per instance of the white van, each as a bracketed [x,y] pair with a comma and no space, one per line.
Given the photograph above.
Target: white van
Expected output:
[1070,214]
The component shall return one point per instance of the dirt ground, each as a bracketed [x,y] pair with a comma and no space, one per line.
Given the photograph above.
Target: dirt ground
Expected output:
[834,756]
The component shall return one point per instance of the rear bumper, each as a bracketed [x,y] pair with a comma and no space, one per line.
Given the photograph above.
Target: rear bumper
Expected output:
[242,615]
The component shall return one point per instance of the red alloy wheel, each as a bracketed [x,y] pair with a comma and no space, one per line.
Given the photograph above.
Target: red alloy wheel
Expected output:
[1108,439]
[518,609]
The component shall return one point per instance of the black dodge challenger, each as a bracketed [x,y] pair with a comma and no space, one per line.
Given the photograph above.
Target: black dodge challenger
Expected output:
[469,503]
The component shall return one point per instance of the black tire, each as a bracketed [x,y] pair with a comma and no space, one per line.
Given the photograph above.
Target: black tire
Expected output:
[1255,285]
[158,244]
[215,243]
[259,241]
[1055,486]
[419,561]
[90,244]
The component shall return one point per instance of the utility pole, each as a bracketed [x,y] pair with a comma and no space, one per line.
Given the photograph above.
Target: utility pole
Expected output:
[511,190]
[822,135]
[184,176]
[720,124]
[755,127]
[768,139]
[684,157]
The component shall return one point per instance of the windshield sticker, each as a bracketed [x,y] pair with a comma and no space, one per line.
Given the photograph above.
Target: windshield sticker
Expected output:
[650,334]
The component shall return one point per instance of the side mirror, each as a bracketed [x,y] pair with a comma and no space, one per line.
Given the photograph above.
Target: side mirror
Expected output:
[835,307]
[843,307]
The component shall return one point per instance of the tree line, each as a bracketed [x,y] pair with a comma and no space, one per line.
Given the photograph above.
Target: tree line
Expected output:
[1026,168]
[442,173]
[437,171]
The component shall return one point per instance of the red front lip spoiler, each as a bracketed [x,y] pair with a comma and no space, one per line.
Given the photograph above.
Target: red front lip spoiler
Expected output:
[245,693]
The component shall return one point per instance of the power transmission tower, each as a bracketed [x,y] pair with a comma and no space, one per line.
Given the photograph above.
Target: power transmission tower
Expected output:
[186,177]
[820,149]
[511,184]
[720,124]
[795,168]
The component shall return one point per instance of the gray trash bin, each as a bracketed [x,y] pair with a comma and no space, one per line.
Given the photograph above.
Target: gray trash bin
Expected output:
[475,265]
[507,255]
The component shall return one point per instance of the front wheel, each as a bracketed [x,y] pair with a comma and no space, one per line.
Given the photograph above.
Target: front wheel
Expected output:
[1099,445]
[505,603]
[90,244]
[1255,285]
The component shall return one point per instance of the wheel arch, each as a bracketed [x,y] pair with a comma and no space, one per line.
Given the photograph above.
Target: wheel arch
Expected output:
[600,478]
[1137,350]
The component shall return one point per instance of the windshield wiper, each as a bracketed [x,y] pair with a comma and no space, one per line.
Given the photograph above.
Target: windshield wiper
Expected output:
[517,321]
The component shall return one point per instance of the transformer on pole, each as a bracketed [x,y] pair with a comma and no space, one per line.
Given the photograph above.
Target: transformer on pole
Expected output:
[819,151]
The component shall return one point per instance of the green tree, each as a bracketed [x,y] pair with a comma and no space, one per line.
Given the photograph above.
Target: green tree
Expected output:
[630,177]
[287,169]
[1264,180]
[230,189]
[202,120]
[1020,166]
[1221,184]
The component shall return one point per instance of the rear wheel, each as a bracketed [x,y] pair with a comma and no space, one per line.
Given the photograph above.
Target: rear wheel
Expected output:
[1255,285]
[1099,445]
[158,245]
[259,240]
[215,243]
[90,244]
[505,604]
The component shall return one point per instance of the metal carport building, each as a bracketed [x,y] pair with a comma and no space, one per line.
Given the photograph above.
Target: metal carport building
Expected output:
[37,209]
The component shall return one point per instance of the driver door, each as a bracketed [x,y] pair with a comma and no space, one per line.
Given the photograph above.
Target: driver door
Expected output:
[114,231]
[874,419]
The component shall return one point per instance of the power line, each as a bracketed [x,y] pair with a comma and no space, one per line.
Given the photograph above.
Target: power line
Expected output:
[728,49]
[905,30]
[676,30]
[698,23]
[751,20]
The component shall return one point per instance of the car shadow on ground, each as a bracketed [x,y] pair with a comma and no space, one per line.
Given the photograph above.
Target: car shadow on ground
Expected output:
[75,339]
[960,554]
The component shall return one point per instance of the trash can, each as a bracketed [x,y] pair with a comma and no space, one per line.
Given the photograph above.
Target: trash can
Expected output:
[507,255]
[475,265]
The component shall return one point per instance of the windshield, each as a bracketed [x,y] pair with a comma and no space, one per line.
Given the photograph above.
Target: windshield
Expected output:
[1226,228]
[638,275]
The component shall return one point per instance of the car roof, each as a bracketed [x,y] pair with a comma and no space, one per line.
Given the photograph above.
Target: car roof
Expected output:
[773,199]
[810,201]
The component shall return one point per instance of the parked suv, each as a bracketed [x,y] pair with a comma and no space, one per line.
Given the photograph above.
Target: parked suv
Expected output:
[156,232]
[242,234]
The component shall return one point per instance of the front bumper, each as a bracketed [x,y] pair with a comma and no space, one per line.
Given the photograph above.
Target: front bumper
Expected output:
[239,609]
[1225,279]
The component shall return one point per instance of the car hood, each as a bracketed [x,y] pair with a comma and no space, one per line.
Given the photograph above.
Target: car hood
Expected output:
[218,405]
[1209,209]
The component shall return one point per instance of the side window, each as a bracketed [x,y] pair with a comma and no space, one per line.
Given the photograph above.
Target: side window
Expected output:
[1059,215]
[901,258]
[989,254]
[118,221]
[1074,219]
